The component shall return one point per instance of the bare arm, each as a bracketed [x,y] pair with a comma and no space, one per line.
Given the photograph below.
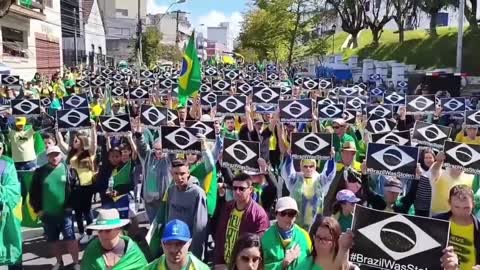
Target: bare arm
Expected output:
[61,142]
[93,135]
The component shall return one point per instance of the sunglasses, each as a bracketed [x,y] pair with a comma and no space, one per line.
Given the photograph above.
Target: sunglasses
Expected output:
[337,127]
[308,166]
[247,259]
[289,213]
[239,188]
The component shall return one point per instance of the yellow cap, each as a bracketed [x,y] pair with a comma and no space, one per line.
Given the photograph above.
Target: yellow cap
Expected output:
[21,121]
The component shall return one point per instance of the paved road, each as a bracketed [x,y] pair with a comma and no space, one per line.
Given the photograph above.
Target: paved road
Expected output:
[36,253]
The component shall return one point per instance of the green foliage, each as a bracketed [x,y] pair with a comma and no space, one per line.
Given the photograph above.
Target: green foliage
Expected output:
[281,30]
[151,47]
[419,49]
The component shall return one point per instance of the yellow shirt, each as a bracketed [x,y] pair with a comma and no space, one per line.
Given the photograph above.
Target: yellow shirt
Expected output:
[461,238]
[84,170]
[461,138]
[233,229]
[441,189]
[308,192]
[23,144]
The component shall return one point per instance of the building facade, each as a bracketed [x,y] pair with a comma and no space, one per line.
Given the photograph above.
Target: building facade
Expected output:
[82,18]
[166,23]
[215,49]
[120,18]
[221,34]
[30,38]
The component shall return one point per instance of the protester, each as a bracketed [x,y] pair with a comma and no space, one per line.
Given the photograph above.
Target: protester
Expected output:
[156,174]
[343,209]
[468,135]
[186,201]
[10,227]
[176,241]
[285,243]
[50,199]
[111,250]
[242,215]
[22,144]
[247,253]
[464,226]
[81,157]
[308,188]
[330,246]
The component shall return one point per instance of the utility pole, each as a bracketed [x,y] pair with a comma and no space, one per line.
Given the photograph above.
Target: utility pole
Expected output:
[177,38]
[139,41]
[461,12]
[75,35]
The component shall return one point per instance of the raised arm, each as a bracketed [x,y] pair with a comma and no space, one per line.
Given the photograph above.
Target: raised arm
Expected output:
[93,138]
[61,142]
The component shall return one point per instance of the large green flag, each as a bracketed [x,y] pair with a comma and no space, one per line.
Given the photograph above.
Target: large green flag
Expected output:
[191,75]
[208,181]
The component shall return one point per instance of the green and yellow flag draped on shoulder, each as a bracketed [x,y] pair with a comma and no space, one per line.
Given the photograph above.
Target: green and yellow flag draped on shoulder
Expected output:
[190,78]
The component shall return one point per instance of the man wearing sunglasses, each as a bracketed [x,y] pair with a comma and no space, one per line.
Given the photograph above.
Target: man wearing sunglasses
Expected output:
[176,240]
[340,135]
[242,215]
[285,243]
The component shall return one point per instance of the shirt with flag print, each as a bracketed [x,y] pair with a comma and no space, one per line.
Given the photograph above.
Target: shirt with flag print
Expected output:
[233,229]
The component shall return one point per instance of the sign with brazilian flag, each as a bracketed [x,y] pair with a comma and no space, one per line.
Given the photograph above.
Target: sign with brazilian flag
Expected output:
[190,78]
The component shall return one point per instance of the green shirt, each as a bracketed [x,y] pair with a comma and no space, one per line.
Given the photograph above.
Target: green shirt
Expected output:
[307,264]
[54,191]
[345,221]
[338,142]
[274,247]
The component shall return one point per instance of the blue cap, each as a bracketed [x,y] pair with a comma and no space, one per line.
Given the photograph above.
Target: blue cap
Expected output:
[176,230]
[346,195]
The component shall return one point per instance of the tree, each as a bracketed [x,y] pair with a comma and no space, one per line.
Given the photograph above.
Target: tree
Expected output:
[471,14]
[170,53]
[432,7]
[150,45]
[352,15]
[405,13]
[373,20]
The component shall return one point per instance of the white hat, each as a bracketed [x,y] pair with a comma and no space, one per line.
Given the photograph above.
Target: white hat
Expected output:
[286,203]
[53,149]
[108,219]
[205,117]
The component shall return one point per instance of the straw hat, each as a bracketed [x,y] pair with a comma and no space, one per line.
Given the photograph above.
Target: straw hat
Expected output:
[108,219]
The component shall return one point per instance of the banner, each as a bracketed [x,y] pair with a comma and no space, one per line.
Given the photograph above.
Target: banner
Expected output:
[386,240]
[420,105]
[453,105]
[231,105]
[430,135]
[221,85]
[330,111]
[73,119]
[116,125]
[309,84]
[75,101]
[153,117]
[241,155]
[392,160]
[472,119]
[383,111]
[179,140]
[25,107]
[394,99]
[244,88]
[206,127]
[354,103]
[10,80]
[266,95]
[311,146]
[376,124]
[393,138]
[295,110]
[462,156]
[139,93]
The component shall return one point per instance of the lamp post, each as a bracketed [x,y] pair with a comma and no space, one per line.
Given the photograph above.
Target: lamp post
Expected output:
[166,12]
[334,28]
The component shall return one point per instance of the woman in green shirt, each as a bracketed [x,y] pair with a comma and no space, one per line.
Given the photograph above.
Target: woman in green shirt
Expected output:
[330,246]
[343,208]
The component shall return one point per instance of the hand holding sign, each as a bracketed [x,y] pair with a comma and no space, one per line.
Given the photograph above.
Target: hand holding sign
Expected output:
[345,241]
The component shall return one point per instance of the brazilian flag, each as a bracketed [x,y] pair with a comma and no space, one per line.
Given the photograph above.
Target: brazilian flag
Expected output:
[191,75]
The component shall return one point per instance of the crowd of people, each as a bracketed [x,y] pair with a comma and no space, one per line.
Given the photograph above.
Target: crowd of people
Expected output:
[292,214]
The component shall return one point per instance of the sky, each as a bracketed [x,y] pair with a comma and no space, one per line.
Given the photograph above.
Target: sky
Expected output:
[207,12]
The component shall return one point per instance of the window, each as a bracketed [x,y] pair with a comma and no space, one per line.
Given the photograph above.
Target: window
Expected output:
[13,42]
[122,12]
